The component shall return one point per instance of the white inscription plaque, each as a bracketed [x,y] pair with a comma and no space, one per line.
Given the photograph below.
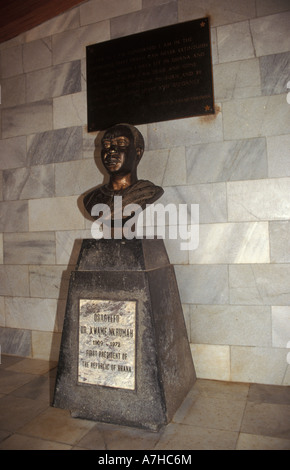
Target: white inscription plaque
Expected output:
[107,337]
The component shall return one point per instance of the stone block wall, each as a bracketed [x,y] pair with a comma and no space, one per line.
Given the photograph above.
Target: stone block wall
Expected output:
[235,286]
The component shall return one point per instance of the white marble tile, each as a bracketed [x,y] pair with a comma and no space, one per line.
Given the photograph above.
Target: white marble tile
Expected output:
[144,20]
[211,361]
[271,34]
[28,183]
[48,281]
[153,165]
[232,243]
[59,213]
[256,117]
[66,21]
[221,12]
[13,152]
[29,248]
[175,254]
[231,325]
[76,177]
[71,45]
[194,282]
[227,161]
[13,216]
[214,49]
[13,91]
[280,326]
[37,54]
[175,171]
[278,155]
[235,42]
[62,79]
[274,73]
[99,10]
[260,284]
[239,79]
[189,131]
[27,119]
[70,110]
[267,199]
[280,241]
[30,314]
[258,365]
[11,61]
[210,197]
[14,281]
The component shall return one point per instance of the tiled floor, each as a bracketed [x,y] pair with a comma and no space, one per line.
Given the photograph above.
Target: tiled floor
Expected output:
[214,416]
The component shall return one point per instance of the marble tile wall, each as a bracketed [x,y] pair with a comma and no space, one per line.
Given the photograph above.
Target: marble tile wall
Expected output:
[234,286]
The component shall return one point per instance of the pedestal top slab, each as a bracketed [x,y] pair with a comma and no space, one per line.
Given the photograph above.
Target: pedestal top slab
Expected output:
[122,255]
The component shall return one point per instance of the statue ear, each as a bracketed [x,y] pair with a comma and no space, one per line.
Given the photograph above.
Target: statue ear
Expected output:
[139,152]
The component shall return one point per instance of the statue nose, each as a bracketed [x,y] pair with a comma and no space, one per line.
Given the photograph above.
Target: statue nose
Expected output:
[113,147]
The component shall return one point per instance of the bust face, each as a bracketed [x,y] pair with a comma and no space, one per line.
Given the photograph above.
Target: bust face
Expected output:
[119,155]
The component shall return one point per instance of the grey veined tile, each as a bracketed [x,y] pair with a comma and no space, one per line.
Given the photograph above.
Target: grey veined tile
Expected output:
[29,248]
[227,161]
[275,72]
[15,341]
[55,146]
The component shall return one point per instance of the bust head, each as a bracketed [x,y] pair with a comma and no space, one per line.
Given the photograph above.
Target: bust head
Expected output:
[122,149]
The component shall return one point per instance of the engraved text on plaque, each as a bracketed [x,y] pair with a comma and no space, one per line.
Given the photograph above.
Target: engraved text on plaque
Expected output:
[107,343]
[153,76]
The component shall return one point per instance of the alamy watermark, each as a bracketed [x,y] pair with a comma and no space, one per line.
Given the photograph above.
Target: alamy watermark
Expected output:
[171,221]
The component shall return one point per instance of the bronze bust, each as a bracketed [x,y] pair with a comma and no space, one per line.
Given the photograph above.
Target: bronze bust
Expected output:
[122,150]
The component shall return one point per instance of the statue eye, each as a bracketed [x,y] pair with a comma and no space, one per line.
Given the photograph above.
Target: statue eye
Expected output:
[106,144]
[122,143]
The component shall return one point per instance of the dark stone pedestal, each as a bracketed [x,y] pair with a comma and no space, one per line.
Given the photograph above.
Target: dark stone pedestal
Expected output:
[125,356]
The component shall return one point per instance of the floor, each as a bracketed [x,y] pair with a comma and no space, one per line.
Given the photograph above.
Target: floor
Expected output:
[214,416]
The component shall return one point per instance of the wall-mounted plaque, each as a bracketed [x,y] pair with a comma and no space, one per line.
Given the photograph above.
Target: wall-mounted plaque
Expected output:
[107,337]
[153,76]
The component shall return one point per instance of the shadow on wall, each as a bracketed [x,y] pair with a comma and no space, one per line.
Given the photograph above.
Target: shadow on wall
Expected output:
[60,313]
[100,167]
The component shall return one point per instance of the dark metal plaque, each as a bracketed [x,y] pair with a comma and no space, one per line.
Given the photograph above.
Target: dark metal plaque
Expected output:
[154,76]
